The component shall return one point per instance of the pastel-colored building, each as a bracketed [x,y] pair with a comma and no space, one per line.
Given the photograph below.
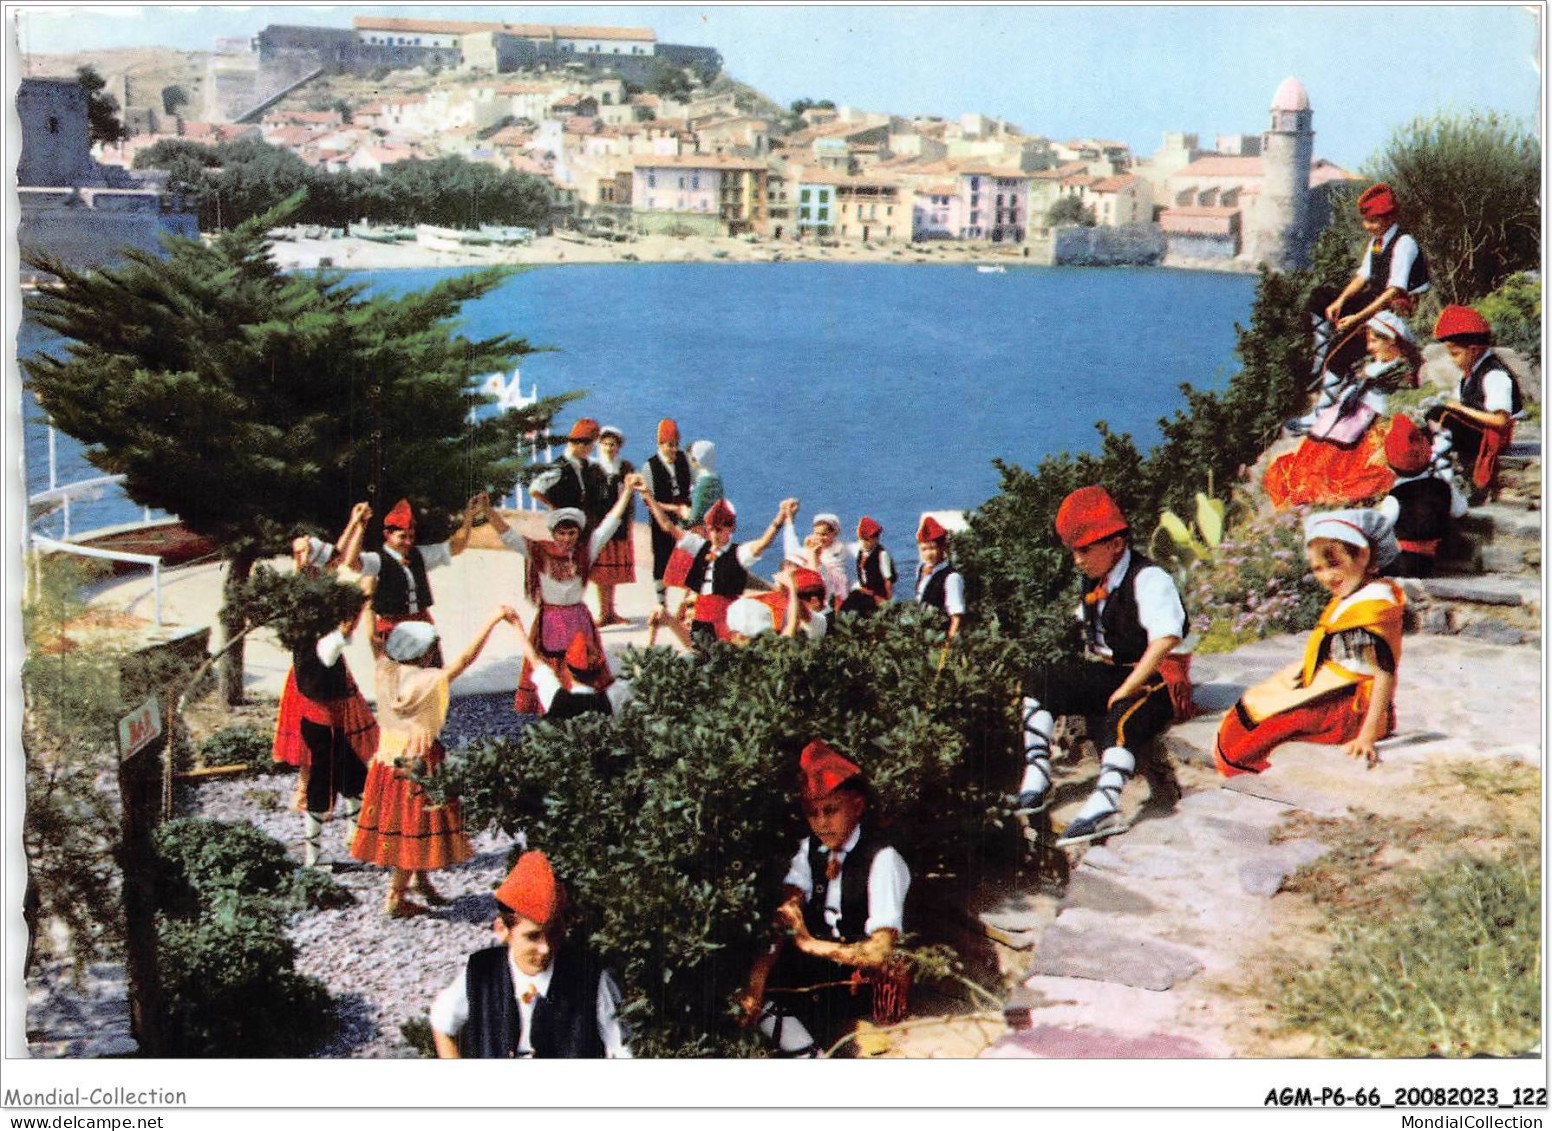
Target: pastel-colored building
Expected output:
[994,204]
[709,194]
[816,211]
[936,212]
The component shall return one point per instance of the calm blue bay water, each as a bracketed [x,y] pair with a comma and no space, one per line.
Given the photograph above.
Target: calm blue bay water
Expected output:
[875,389]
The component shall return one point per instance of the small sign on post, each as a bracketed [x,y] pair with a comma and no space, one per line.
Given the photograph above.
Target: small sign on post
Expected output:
[139,728]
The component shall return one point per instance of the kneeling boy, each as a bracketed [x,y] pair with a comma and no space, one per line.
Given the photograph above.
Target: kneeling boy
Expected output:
[1132,620]
[530,996]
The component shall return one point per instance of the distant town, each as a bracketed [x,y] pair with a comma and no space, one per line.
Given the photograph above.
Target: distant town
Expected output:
[634,137]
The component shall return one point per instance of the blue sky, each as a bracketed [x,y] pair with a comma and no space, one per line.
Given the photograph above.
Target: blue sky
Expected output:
[1123,72]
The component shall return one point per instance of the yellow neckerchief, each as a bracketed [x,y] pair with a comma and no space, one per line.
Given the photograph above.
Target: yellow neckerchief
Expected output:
[1376,614]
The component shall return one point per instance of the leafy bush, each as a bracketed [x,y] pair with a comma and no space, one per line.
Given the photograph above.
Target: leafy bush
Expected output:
[1514,310]
[673,822]
[229,987]
[1456,975]
[1256,585]
[240,746]
[225,967]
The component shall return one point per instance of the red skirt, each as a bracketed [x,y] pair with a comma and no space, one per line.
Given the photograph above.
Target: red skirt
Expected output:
[350,715]
[1323,474]
[400,828]
[616,564]
[1244,747]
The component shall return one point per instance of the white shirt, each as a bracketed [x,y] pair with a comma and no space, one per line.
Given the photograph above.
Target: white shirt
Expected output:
[1159,609]
[330,648]
[1497,388]
[570,590]
[433,554]
[953,589]
[692,543]
[1400,263]
[548,685]
[450,1010]
[815,626]
[888,881]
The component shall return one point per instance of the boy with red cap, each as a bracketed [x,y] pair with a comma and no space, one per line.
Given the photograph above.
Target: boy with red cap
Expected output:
[844,909]
[668,478]
[1132,620]
[876,574]
[574,480]
[1479,423]
[532,995]
[801,604]
[1421,503]
[1392,273]
[719,568]
[579,685]
[938,584]
[396,577]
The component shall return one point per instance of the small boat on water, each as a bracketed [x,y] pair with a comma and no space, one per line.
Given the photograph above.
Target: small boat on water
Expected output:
[991,269]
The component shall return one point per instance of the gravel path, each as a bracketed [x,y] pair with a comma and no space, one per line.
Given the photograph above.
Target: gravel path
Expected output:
[381,972]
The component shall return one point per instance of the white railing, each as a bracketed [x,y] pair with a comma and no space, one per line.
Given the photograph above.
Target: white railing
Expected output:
[152,560]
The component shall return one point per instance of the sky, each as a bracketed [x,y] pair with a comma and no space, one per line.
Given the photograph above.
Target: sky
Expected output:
[1124,72]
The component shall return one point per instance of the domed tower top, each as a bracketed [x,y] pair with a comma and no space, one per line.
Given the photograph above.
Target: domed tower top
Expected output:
[1290,96]
[1291,111]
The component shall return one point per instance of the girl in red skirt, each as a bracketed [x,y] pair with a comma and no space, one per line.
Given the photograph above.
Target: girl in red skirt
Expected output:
[616,564]
[1341,692]
[399,827]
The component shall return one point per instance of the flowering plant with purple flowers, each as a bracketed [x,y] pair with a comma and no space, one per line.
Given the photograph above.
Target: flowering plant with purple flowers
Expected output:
[1255,585]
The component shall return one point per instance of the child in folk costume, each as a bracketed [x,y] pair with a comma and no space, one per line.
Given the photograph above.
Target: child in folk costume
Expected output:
[616,564]
[718,569]
[1391,276]
[324,726]
[707,489]
[556,582]
[747,618]
[1133,621]
[805,606]
[1422,503]
[844,910]
[396,577]
[822,552]
[534,994]
[1479,423]
[1341,692]
[1342,458]
[875,584]
[938,584]
[668,477]
[574,480]
[399,827]
[579,685]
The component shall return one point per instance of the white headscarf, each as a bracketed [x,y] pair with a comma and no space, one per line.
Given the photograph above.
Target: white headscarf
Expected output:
[704,452]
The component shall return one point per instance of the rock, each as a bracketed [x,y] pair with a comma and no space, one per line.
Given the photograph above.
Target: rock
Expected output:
[1234,832]
[1478,590]
[1092,890]
[1264,875]
[1015,915]
[1493,632]
[1103,956]
[1439,620]
[1099,856]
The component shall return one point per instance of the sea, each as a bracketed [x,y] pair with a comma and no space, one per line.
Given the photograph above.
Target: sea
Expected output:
[884,390]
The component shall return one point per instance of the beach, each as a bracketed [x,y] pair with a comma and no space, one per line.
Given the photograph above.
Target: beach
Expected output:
[352,253]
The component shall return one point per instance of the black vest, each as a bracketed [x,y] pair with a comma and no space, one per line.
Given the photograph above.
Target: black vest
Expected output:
[661,489]
[565,1021]
[393,593]
[1124,634]
[316,681]
[870,570]
[1472,394]
[1379,271]
[934,594]
[854,888]
[572,704]
[1425,509]
[586,493]
[729,578]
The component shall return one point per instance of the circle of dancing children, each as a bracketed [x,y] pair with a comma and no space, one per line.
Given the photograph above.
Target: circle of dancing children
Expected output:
[323,726]
[1341,692]
[400,827]
[1478,424]
[534,994]
[1132,619]
[843,910]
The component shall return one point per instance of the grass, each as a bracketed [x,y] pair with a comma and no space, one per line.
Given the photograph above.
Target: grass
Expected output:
[1434,951]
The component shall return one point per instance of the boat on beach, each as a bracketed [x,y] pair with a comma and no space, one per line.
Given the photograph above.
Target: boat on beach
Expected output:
[991,269]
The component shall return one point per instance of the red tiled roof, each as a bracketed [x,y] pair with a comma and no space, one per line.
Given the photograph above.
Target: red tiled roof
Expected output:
[698,161]
[1113,184]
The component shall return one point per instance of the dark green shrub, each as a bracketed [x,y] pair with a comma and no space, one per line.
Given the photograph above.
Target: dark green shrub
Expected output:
[1514,310]
[673,822]
[417,1034]
[240,746]
[200,860]
[229,987]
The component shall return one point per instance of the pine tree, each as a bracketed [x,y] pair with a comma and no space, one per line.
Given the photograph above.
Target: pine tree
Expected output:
[252,403]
